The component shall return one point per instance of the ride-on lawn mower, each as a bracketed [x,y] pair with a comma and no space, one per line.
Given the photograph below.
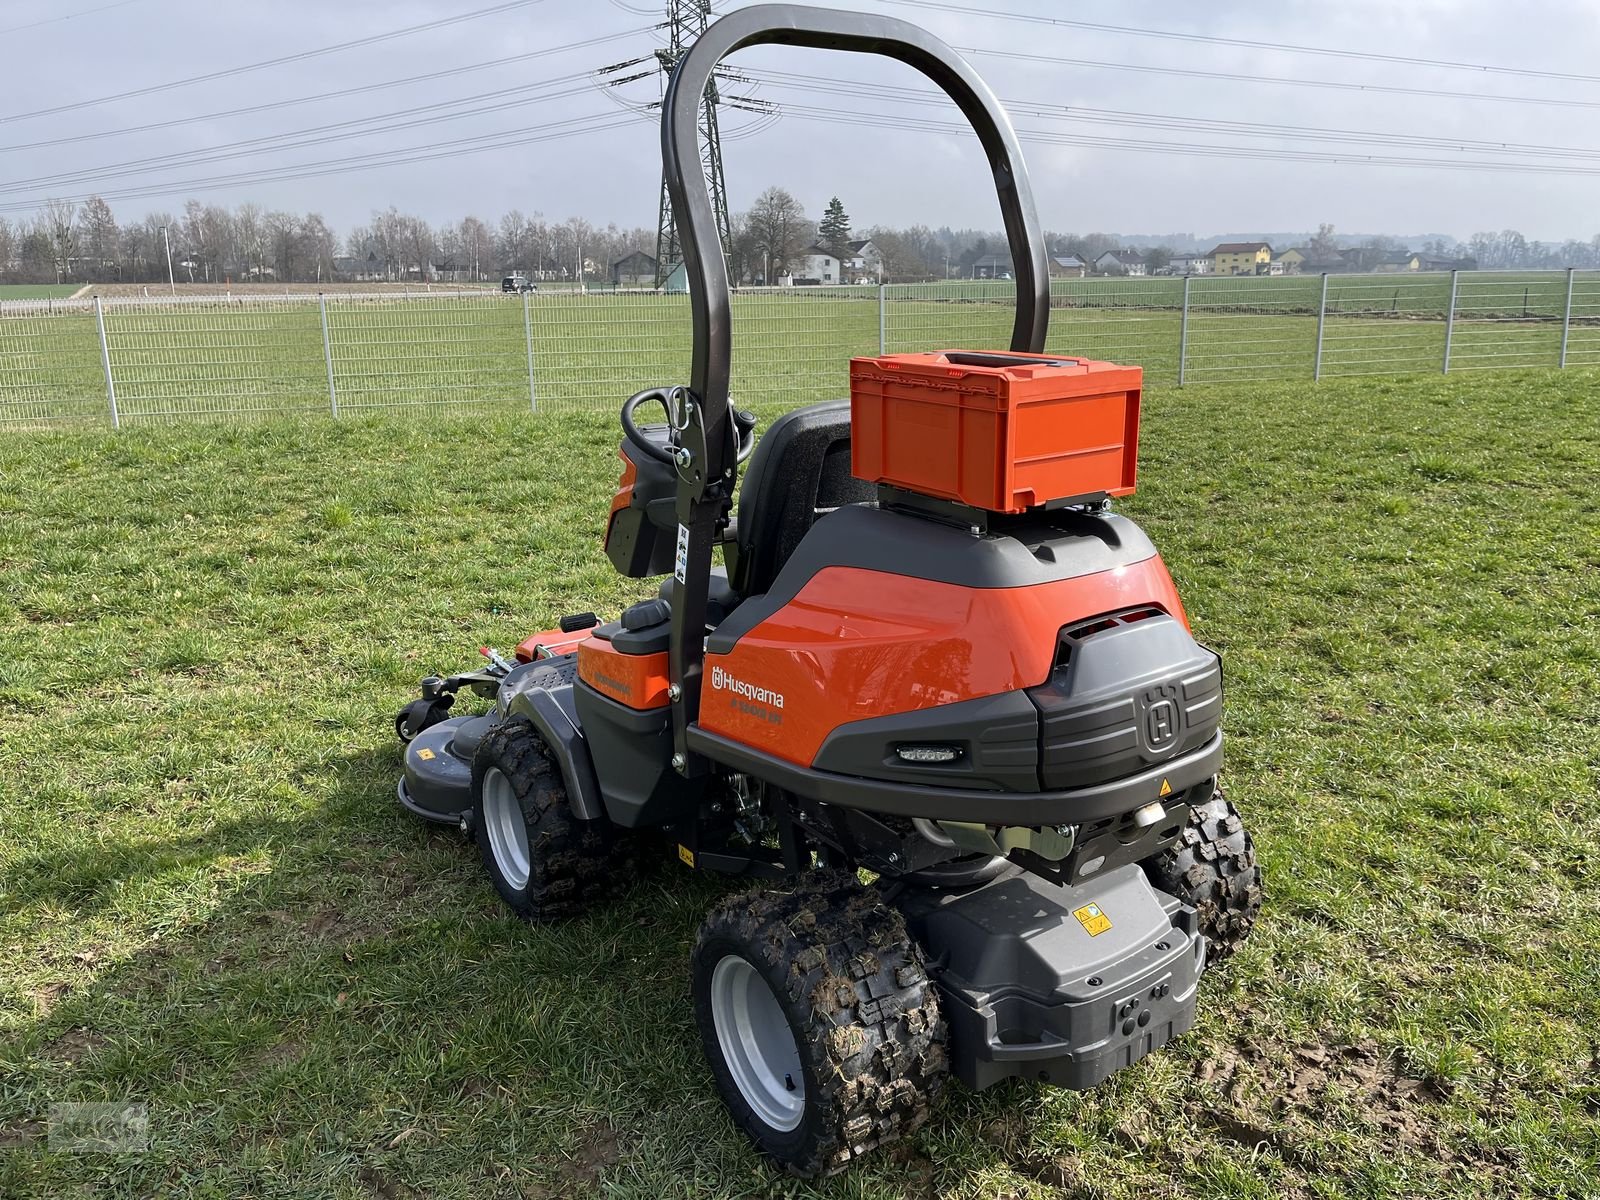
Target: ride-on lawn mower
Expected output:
[935,657]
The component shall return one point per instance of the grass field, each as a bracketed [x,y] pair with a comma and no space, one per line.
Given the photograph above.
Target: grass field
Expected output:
[37,291]
[210,902]
[207,356]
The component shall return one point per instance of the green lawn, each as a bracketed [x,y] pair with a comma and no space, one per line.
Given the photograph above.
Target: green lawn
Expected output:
[211,903]
[37,291]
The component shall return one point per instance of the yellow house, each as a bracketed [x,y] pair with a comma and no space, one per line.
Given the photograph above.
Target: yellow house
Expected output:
[1241,258]
[1292,259]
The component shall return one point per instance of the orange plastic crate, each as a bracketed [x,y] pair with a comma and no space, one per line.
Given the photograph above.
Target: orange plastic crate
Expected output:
[995,430]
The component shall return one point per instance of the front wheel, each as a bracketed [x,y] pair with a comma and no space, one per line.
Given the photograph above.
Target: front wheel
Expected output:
[544,861]
[1213,868]
[819,1021]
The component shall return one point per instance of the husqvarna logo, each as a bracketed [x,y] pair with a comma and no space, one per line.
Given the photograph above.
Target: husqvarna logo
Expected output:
[757,701]
[1163,718]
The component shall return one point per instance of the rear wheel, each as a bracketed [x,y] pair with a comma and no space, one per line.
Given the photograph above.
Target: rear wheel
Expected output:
[1213,868]
[545,862]
[819,1021]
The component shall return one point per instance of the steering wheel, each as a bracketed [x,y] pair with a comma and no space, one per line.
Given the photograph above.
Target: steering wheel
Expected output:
[670,400]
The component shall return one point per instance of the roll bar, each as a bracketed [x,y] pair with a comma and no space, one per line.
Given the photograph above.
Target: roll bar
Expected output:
[826,29]
[709,448]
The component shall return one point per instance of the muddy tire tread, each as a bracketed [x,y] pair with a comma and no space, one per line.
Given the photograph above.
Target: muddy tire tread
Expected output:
[1213,867]
[875,1046]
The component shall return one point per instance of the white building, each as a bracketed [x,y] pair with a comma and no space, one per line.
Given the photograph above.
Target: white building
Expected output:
[1119,262]
[863,263]
[816,265]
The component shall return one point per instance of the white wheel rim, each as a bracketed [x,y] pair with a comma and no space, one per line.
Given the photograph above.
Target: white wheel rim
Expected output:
[757,1044]
[505,827]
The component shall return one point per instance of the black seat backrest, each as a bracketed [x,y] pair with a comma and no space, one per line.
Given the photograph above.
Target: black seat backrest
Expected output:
[800,470]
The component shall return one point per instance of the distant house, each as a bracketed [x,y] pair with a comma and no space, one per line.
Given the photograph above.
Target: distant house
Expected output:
[1241,258]
[1189,264]
[1435,263]
[637,269]
[816,266]
[862,263]
[1068,266]
[1293,260]
[1395,264]
[1119,262]
[992,266]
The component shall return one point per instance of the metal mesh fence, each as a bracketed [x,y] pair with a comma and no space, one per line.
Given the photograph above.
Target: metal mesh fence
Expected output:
[175,359]
[212,357]
[1507,322]
[384,351]
[50,368]
[1384,324]
[1583,332]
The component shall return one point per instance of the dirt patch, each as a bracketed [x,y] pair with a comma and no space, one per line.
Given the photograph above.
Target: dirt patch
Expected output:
[1297,1091]
[599,1148]
[382,1184]
[47,997]
[19,1134]
[283,1054]
[75,1045]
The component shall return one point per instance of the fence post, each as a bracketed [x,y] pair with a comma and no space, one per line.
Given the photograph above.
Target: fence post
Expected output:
[1183,334]
[105,361]
[882,323]
[1450,319]
[1566,319]
[327,352]
[527,333]
[1322,320]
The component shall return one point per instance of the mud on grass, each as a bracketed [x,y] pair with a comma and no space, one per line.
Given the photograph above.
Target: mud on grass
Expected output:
[210,903]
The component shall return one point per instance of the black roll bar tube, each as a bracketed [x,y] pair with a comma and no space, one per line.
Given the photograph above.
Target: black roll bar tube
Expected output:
[707,271]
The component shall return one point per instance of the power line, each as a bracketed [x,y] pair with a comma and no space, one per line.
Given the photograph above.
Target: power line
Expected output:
[384,122]
[1199,150]
[300,56]
[407,81]
[455,148]
[69,16]
[912,95]
[1194,73]
[1248,44]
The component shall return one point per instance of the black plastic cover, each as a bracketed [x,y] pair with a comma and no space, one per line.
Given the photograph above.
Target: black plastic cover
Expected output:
[1065,985]
[639,541]
[1126,695]
[996,739]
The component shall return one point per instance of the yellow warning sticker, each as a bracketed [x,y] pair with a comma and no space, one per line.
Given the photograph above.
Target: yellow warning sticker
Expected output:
[1092,919]
[686,854]
[425,754]
[1166,787]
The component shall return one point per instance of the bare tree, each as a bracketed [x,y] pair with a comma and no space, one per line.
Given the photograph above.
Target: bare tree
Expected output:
[247,224]
[779,228]
[60,221]
[281,235]
[8,249]
[318,244]
[476,244]
[98,233]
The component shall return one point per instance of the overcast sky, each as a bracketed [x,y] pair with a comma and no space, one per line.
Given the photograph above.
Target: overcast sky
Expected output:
[894,177]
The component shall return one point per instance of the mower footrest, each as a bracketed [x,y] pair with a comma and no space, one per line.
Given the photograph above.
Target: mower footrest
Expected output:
[1065,985]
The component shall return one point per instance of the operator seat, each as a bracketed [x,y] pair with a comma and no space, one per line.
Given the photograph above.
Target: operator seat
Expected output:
[799,471]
